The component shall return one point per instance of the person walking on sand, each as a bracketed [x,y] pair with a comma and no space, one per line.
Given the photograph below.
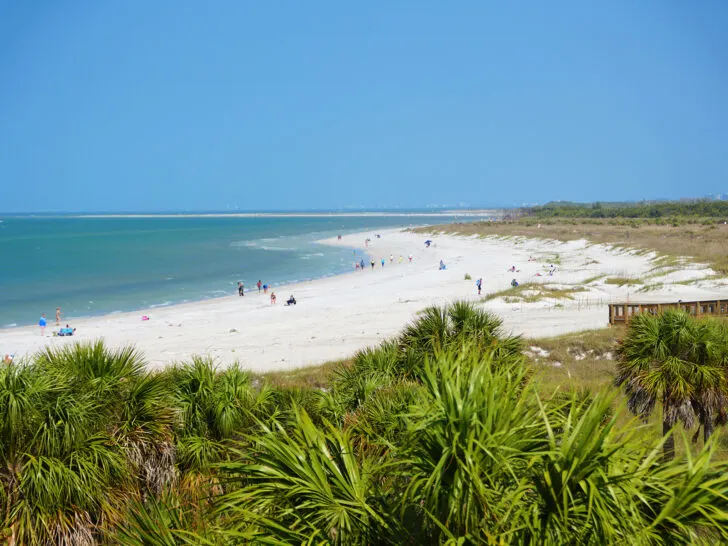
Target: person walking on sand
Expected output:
[479,284]
[241,288]
[410,258]
[382,262]
[391,258]
[372,265]
[42,323]
[259,285]
[272,298]
[58,316]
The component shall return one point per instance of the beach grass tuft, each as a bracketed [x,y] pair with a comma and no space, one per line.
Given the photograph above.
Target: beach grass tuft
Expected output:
[533,292]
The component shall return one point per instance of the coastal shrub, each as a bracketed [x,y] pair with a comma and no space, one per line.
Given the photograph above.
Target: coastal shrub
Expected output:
[481,459]
[468,277]
[440,435]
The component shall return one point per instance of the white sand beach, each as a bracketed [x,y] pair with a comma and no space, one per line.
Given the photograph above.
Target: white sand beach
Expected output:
[337,316]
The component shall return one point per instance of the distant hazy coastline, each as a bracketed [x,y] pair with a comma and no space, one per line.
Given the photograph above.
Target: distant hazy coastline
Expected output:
[484,213]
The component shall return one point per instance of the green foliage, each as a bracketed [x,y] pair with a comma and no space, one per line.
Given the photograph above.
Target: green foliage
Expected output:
[665,209]
[438,436]
[679,361]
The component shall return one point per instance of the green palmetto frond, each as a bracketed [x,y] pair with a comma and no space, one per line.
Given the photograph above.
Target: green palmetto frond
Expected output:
[309,481]
[472,441]
[683,498]
[586,480]
[679,361]
[428,333]
[92,365]
[144,431]
[164,522]
[22,392]
[63,498]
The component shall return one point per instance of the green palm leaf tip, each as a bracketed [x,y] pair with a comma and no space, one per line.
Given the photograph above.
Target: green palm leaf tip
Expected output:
[310,482]
[471,442]
[460,323]
[677,360]
[164,522]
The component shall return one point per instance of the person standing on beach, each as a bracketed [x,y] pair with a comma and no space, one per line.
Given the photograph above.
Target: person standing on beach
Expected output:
[259,284]
[391,258]
[372,264]
[479,284]
[241,288]
[42,323]
[382,262]
[58,316]
[361,264]
[272,298]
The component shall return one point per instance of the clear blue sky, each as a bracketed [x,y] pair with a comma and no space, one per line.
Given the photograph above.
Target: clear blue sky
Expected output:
[188,105]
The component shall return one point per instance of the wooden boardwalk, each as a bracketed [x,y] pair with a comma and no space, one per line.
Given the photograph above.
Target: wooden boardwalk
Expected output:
[620,313]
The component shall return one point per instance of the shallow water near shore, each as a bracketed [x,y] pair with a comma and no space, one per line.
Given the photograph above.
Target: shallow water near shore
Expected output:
[94,266]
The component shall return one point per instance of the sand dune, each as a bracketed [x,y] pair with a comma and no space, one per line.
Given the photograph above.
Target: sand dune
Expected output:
[339,315]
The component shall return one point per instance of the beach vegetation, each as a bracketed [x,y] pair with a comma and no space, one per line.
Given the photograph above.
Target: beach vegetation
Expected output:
[679,362]
[447,433]
[622,281]
[593,279]
[535,292]
[706,243]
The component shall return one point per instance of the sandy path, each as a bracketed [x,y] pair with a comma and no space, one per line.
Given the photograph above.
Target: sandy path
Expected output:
[338,315]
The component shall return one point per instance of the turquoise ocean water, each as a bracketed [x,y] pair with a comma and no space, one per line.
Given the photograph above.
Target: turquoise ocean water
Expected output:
[93,266]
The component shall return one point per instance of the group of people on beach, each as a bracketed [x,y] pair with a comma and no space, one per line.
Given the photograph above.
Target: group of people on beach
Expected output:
[360,265]
[264,288]
[43,324]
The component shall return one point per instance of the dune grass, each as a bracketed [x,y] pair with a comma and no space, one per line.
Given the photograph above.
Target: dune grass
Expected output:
[705,241]
[311,377]
[534,292]
[621,281]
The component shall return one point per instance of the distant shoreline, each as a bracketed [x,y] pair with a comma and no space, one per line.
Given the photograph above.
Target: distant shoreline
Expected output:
[291,214]
[299,214]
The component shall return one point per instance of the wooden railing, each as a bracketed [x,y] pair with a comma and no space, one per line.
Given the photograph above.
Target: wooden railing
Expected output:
[621,313]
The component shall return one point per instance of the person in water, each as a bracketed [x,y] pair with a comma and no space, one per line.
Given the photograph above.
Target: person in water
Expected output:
[361,264]
[42,323]
[259,285]
[265,289]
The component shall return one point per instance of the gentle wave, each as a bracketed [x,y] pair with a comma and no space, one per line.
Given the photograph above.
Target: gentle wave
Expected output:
[163,304]
[258,245]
